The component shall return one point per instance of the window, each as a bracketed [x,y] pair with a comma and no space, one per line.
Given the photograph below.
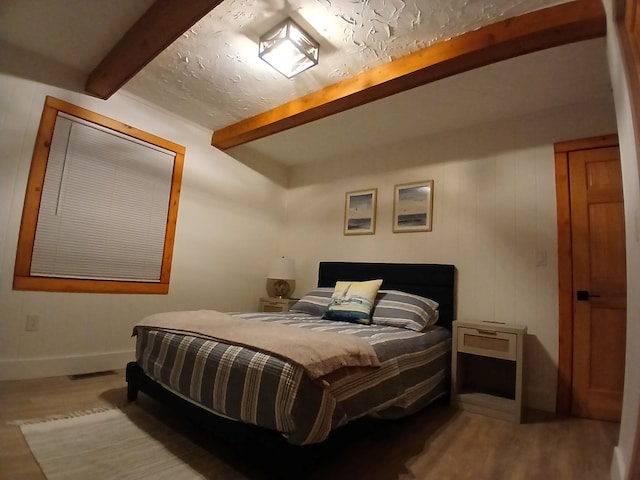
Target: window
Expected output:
[101,206]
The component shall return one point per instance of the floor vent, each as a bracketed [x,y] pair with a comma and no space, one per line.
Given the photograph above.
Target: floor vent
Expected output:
[82,376]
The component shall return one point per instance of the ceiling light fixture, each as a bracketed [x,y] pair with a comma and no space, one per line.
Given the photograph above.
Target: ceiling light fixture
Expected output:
[289,49]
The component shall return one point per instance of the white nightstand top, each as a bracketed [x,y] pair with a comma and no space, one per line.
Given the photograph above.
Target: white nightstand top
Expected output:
[495,326]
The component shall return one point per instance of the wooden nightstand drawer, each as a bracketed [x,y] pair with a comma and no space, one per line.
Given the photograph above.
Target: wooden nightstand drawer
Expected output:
[487,342]
[275,304]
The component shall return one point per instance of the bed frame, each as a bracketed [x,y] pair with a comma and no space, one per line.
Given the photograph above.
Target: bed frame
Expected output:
[430,280]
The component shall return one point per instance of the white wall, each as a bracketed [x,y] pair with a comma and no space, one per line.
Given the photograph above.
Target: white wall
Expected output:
[494,214]
[623,453]
[227,231]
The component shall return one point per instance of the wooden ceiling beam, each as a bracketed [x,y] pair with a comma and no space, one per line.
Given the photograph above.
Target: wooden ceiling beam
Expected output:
[159,27]
[554,26]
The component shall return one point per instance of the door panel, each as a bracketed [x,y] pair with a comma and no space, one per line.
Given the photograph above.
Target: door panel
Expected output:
[606,355]
[599,315]
[607,248]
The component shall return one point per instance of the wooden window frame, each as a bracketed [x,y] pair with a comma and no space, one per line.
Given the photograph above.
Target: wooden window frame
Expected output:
[23,280]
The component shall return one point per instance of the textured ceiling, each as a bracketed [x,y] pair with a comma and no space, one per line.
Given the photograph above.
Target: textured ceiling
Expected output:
[75,33]
[562,76]
[213,76]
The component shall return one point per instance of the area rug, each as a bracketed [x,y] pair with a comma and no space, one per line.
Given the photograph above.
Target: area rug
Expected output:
[119,444]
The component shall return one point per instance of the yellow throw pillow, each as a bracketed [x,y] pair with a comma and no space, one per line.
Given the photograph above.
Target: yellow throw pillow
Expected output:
[353,301]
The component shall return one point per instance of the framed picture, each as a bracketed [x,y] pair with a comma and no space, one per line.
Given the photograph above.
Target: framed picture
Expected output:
[413,207]
[360,212]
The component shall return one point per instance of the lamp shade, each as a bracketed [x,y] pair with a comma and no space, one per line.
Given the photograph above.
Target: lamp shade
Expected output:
[281,279]
[289,49]
[282,269]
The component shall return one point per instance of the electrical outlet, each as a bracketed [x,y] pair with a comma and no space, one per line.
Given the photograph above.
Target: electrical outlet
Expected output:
[33,323]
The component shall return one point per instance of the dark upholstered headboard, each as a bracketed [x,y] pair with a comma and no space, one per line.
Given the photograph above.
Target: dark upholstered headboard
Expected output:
[433,281]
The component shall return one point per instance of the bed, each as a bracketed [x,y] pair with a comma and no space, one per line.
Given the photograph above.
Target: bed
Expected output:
[405,367]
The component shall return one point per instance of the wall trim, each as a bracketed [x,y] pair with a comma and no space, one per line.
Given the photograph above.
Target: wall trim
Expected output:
[539,399]
[618,470]
[18,369]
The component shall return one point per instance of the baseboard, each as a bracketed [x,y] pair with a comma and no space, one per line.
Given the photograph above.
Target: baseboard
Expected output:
[17,369]
[539,399]
[618,470]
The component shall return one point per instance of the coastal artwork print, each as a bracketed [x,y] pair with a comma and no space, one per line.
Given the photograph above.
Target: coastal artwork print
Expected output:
[360,212]
[413,207]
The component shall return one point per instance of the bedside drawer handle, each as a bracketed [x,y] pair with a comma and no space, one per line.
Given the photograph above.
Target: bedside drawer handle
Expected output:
[486,332]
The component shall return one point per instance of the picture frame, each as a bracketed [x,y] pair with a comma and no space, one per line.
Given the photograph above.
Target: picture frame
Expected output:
[360,212]
[413,207]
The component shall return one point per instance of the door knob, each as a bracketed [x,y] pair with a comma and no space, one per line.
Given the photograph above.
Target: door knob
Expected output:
[584,295]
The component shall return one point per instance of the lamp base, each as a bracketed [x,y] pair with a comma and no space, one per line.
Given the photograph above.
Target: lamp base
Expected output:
[280,288]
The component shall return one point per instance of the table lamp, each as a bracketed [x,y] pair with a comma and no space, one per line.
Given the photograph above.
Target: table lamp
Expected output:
[281,279]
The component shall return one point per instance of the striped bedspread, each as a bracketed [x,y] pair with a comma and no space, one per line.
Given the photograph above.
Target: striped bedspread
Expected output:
[258,388]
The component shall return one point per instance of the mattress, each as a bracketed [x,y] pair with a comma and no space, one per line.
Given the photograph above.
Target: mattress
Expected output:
[260,388]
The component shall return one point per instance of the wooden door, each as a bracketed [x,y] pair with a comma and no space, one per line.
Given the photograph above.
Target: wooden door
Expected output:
[599,282]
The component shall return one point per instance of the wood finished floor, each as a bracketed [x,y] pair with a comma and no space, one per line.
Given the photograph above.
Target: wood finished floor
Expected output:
[438,443]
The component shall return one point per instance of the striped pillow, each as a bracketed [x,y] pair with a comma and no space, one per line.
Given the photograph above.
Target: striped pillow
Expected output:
[404,310]
[315,302]
[393,308]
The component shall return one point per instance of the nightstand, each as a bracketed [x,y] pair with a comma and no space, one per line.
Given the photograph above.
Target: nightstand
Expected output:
[486,368]
[276,304]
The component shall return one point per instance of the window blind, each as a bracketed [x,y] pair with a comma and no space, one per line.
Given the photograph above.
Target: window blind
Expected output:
[104,205]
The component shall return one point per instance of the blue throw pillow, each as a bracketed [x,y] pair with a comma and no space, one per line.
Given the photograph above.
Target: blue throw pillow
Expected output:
[353,301]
